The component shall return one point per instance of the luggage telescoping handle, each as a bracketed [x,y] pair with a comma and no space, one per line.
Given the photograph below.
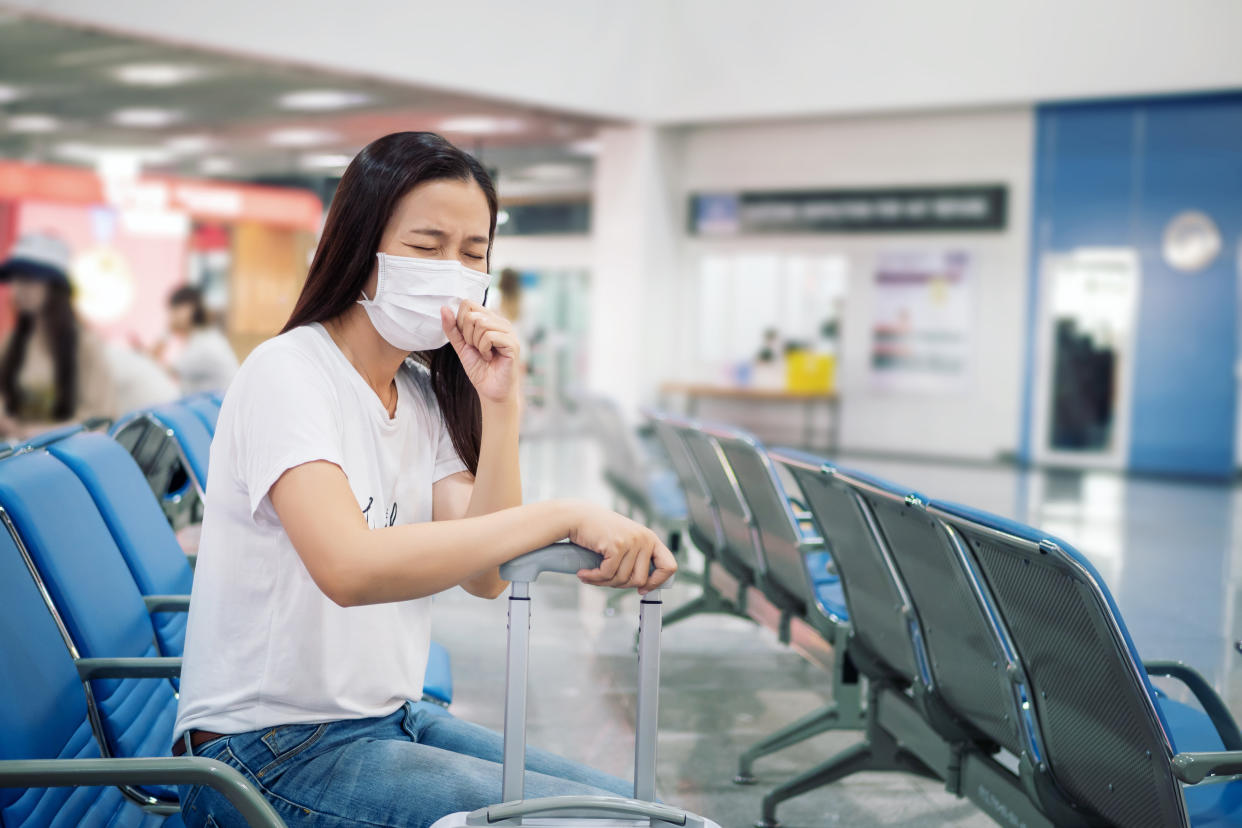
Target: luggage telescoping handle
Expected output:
[569,558]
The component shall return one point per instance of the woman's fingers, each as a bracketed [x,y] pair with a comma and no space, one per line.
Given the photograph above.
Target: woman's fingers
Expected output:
[488,332]
[448,321]
[665,568]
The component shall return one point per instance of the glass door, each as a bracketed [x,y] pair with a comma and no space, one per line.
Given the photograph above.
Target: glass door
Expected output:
[1085,359]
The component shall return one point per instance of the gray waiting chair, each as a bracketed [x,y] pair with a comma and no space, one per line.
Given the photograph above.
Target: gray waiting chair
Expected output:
[980,695]
[702,525]
[1115,751]
[885,639]
[631,468]
[793,551]
[741,564]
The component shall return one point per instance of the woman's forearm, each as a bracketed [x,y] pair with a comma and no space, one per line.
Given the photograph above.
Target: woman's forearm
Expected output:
[420,559]
[498,481]
[354,564]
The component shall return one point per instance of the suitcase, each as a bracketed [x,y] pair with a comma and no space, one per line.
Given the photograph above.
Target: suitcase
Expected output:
[574,811]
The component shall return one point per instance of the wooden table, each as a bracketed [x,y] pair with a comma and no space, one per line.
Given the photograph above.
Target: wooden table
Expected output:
[809,400]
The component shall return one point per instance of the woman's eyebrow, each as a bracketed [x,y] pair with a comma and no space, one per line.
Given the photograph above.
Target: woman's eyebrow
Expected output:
[440,234]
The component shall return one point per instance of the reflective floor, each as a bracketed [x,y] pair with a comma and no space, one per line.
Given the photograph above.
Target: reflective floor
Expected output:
[1169,551]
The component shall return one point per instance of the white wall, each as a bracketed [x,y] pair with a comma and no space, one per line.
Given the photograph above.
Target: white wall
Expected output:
[972,147]
[741,59]
[542,253]
[708,60]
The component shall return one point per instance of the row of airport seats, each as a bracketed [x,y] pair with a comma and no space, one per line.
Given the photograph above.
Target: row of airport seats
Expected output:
[968,648]
[94,589]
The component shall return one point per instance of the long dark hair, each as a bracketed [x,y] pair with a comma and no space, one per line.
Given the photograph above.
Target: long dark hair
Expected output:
[378,177]
[60,332]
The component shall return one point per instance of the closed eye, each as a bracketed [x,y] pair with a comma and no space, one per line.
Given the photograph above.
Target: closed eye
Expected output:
[424,249]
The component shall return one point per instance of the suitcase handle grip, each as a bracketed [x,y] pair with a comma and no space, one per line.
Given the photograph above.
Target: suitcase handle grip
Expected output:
[589,807]
[564,557]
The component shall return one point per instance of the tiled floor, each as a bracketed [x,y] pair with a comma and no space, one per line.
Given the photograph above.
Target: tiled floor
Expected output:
[1171,553]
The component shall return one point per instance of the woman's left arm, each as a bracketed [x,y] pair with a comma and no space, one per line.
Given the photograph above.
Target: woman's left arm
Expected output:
[488,350]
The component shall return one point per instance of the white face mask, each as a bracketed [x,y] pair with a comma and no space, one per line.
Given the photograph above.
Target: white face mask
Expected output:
[408,296]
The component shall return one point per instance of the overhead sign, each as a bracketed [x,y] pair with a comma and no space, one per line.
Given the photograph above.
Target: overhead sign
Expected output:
[898,209]
[218,200]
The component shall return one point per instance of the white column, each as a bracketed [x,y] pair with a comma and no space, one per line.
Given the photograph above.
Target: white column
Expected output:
[638,217]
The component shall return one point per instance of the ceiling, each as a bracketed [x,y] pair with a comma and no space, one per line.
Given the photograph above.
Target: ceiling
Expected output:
[74,95]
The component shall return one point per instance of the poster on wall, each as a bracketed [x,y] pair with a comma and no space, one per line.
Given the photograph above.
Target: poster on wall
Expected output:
[921,333]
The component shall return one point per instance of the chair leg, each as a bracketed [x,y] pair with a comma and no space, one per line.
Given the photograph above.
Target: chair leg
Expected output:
[708,601]
[812,724]
[880,752]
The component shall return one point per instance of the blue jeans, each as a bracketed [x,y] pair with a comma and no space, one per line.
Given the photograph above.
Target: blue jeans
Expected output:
[406,769]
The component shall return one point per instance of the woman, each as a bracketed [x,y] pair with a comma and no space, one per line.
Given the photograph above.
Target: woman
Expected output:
[348,485]
[52,369]
[206,361]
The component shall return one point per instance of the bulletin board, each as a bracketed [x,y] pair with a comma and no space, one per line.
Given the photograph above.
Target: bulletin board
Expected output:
[923,322]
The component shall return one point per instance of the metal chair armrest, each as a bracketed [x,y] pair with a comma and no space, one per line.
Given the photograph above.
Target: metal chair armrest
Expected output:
[196,770]
[167,603]
[1193,768]
[118,668]
[1212,704]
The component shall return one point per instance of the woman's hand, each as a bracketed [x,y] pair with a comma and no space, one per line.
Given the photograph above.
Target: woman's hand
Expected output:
[488,350]
[629,550]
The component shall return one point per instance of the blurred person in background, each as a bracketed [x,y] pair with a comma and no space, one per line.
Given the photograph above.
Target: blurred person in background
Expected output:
[52,368]
[205,360]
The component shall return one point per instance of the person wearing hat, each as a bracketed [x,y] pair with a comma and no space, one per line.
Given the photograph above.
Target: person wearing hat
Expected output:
[52,369]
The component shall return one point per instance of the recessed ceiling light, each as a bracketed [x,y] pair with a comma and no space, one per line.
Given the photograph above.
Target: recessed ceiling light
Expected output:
[156,74]
[325,161]
[112,157]
[8,94]
[32,123]
[189,143]
[216,165]
[502,217]
[321,100]
[587,146]
[297,137]
[145,117]
[482,125]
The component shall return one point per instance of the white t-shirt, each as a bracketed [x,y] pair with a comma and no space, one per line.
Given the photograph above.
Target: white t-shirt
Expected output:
[206,363]
[264,646]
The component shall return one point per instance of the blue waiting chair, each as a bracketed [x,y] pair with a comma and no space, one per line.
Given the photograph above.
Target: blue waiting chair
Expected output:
[96,601]
[438,682]
[206,408]
[51,768]
[1114,750]
[48,437]
[139,528]
[172,446]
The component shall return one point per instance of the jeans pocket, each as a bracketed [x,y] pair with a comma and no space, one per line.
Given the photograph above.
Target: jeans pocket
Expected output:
[287,741]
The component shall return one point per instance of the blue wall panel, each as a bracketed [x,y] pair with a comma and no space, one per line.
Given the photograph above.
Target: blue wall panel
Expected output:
[1114,174]
[1184,412]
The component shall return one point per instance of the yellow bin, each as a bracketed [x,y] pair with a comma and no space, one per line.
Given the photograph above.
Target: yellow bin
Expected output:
[809,373]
